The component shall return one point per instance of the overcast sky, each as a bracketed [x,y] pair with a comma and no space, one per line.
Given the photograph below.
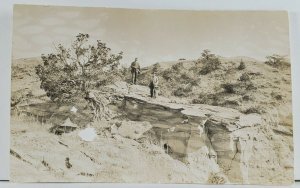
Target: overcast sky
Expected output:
[152,35]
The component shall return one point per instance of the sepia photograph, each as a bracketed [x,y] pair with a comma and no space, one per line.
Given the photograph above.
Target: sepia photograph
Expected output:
[159,96]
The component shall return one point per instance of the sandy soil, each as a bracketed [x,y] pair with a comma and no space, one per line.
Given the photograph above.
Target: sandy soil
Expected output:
[40,156]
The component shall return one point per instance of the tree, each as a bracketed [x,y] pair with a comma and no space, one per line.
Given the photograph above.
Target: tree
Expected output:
[206,54]
[242,65]
[211,62]
[71,72]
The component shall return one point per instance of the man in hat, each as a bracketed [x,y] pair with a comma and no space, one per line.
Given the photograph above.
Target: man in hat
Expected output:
[135,70]
[153,86]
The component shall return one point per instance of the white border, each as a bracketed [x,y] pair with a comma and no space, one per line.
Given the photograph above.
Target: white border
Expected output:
[293,6]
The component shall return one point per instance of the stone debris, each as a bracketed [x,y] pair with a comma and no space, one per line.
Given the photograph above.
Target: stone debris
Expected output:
[74,109]
[88,134]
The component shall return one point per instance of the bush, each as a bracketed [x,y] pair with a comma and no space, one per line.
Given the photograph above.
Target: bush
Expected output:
[215,178]
[185,77]
[228,87]
[246,98]
[250,86]
[255,109]
[177,67]
[204,98]
[210,65]
[156,67]
[167,74]
[210,61]
[277,96]
[245,77]
[242,66]
[277,61]
[197,101]
[182,91]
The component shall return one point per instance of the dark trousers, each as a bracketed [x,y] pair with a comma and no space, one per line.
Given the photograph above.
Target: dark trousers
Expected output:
[133,75]
[152,92]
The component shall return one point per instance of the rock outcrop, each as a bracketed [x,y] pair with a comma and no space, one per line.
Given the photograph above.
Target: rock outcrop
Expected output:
[185,129]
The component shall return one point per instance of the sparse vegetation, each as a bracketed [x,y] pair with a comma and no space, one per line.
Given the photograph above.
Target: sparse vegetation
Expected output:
[228,87]
[242,65]
[254,109]
[215,178]
[211,62]
[183,91]
[276,96]
[156,68]
[245,77]
[211,99]
[277,61]
[220,82]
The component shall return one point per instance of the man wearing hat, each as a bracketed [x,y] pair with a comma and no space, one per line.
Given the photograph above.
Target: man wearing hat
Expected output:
[135,70]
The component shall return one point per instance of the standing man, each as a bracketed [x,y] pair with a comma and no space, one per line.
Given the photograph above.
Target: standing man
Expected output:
[135,70]
[154,86]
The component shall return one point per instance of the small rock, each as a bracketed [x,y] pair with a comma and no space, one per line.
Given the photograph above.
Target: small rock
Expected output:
[74,109]
[67,162]
[88,134]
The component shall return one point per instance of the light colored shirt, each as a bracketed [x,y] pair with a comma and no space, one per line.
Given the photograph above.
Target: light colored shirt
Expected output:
[155,81]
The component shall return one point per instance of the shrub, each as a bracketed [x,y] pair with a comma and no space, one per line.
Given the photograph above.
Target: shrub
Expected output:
[242,65]
[215,178]
[245,77]
[182,91]
[250,86]
[254,109]
[210,61]
[246,98]
[179,92]
[156,67]
[167,74]
[177,67]
[197,101]
[203,98]
[277,61]
[228,87]
[194,82]
[277,96]
[185,77]
[210,65]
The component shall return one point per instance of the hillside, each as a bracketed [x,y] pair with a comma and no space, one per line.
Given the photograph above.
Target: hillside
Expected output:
[227,125]
[257,88]
[23,73]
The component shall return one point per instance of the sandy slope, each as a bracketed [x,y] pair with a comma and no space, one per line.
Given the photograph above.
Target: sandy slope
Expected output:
[107,159]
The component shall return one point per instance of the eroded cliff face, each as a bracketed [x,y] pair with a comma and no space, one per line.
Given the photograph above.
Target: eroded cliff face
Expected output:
[187,131]
[221,143]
